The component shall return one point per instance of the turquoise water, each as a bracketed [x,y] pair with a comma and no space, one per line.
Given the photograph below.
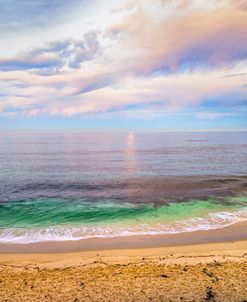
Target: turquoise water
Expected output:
[70,186]
[56,219]
[50,212]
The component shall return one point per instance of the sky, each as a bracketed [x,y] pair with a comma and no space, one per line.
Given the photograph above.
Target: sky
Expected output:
[169,65]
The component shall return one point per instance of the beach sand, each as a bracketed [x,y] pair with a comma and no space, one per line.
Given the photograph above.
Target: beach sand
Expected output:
[186,272]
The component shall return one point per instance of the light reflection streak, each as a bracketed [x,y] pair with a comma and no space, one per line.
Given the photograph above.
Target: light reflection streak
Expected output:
[130,153]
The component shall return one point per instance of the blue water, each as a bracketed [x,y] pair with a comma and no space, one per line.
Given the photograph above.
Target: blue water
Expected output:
[61,186]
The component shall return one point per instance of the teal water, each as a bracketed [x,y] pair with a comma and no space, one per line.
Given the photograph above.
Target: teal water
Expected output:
[70,186]
[57,219]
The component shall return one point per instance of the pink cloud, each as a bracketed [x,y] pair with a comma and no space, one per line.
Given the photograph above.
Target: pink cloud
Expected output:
[195,36]
[177,55]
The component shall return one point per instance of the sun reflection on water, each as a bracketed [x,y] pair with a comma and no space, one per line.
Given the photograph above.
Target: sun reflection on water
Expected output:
[130,153]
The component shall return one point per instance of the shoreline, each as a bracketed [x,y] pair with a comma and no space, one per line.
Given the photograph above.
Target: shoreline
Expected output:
[234,232]
[196,266]
[191,254]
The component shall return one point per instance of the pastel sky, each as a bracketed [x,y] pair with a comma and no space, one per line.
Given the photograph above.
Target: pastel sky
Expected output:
[127,64]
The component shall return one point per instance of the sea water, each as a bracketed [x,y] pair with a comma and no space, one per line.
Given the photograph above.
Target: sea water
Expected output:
[71,186]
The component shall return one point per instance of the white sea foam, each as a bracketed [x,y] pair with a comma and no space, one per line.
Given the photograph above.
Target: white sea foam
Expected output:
[214,220]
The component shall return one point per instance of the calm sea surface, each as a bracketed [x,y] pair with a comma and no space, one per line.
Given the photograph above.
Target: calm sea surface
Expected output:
[80,185]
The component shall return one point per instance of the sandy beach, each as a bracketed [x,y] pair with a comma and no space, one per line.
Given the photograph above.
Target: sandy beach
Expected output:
[123,151]
[215,271]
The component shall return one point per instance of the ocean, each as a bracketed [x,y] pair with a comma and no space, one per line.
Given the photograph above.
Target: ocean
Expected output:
[71,186]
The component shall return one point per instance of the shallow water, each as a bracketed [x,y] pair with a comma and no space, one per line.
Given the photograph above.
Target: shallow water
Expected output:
[75,186]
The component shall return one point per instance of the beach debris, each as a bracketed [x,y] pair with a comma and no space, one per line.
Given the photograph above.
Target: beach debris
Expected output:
[210,294]
[164,276]
[66,268]
[48,296]
[210,275]
[217,263]
[82,284]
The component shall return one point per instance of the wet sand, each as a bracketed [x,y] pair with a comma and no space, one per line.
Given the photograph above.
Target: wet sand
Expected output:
[230,233]
[173,272]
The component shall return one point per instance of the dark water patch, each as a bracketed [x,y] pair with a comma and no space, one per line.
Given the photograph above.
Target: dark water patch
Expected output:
[154,174]
[158,190]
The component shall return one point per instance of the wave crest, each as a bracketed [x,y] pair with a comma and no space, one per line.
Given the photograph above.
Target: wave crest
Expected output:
[68,232]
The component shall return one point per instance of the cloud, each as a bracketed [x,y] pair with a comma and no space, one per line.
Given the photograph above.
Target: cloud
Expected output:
[214,115]
[75,92]
[56,55]
[169,38]
[28,62]
[166,56]
[15,14]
